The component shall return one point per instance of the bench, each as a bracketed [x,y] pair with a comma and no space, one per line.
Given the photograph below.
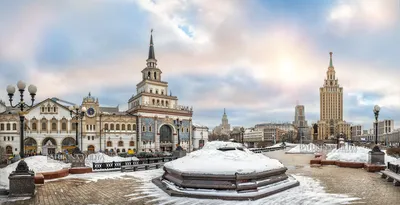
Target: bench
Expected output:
[136,167]
[391,177]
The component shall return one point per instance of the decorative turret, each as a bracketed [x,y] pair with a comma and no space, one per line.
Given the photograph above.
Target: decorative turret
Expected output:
[331,72]
[151,72]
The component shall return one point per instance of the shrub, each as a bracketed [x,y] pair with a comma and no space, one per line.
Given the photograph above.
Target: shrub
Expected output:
[394,152]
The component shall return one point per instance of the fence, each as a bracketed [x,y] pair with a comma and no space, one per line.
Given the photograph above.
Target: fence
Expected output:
[394,168]
[116,165]
[265,149]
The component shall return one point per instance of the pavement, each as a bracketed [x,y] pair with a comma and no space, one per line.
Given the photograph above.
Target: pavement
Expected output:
[369,187]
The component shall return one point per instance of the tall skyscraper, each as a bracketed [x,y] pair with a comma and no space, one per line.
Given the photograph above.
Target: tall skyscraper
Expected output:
[224,127]
[331,121]
[300,123]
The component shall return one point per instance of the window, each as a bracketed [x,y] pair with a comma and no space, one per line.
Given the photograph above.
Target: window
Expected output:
[123,150]
[123,127]
[8,138]
[134,127]
[117,127]
[1,126]
[64,126]
[87,127]
[162,92]
[112,127]
[151,90]
[106,126]
[48,109]
[4,138]
[44,126]
[182,129]
[8,126]
[9,150]
[54,109]
[120,143]
[144,128]
[158,102]
[12,138]
[150,128]
[162,102]
[15,126]
[129,127]
[109,144]
[131,143]
[94,127]
[42,109]
[92,137]
[154,102]
[53,126]
[88,138]
[187,129]
[157,91]
[155,75]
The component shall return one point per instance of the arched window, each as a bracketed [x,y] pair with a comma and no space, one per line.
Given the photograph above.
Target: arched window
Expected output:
[15,126]
[155,75]
[118,151]
[44,127]
[162,92]
[154,102]
[92,137]
[64,126]
[117,126]
[120,143]
[129,127]
[131,143]
[109,144]
[166,103]
[48,109]
[9,150]
[148,75]
[182,129]
[123,127]
[8,126]
[123,150]
[150,128]
[162,102]
[106,126]
[88,137]
[144,128]
[53,126]
[55,109]
[34,126]
[1,126]
[156,91]
[151,90]
[111,126]
[42,109]
[158,102]
[134,127]
[90,148]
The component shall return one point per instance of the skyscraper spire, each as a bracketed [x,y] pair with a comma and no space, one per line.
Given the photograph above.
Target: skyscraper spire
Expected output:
[224,112]
[151,49]
[330,62]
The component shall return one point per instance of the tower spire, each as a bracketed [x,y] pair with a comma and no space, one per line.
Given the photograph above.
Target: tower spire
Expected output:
[224,112]
[151,49]
[330,62]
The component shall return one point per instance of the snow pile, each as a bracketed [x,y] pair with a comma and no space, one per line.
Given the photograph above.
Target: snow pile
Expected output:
[35,163]
[349,153]
[280,145]
[210,160]
[101,157]
[304,148]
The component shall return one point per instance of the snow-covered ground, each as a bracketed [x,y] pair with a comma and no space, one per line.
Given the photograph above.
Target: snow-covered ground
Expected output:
[211,160]
[310,191]
[35,163]
[304,149]
[355,154]
[101,157]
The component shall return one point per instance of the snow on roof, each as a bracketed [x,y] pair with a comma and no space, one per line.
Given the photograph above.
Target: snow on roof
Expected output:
[198,125]
[210,160]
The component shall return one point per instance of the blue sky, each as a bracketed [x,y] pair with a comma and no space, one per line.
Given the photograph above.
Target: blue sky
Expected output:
[255,58]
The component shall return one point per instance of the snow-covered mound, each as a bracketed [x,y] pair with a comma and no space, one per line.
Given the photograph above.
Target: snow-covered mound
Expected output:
[35,163]
[354,154]
[101,157]
[304,148]
[210,160]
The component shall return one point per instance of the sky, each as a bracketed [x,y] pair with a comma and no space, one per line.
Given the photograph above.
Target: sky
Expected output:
[256,58]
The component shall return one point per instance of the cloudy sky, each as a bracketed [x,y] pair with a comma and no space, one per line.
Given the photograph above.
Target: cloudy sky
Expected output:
[255,58]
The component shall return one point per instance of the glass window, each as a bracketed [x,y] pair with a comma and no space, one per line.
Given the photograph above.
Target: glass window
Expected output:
[92,137]
[123,126]
[15,126]
[117,126]
[53,126]
[44,127]
[64,126]
[8,126]
[131,143]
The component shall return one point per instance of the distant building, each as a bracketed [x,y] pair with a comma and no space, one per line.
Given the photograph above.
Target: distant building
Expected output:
[252,137]
[301,124]
[200,135]
[224,127]
[384,126]
[277,130]
[356,130]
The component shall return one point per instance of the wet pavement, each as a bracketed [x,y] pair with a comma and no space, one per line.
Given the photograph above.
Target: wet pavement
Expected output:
[369,187]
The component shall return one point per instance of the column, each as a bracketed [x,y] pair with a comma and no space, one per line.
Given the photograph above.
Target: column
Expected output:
[139,135]
[156,135]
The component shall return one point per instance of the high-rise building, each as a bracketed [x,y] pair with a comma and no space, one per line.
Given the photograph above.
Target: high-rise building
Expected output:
[384,127]
[331,122]
[301,124]
[356,130]
[224,127]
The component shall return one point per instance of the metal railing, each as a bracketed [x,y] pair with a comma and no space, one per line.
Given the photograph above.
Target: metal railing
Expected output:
[394,168]
[116,165]
[265,149]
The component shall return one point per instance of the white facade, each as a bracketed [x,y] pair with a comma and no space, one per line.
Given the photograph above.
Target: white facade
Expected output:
[251,135]
[200,136]
[356,130]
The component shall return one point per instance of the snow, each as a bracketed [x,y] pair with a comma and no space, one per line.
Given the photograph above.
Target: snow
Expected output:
[349,153]
[101,157]
[209,160]
[280,145]
[35,163]
[305,149]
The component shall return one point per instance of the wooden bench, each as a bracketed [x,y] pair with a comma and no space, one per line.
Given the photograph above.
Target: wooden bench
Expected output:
[391,177]
[136,167]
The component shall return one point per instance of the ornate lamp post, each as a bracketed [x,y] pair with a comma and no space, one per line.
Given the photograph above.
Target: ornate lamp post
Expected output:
[178,124]
[242,131]
[22,106]
[376,113]
[77,114]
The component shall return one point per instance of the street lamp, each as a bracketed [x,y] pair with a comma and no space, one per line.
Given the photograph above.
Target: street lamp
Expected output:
[22,106]
[202,141]
[178,124]
[376,113]
[242,131]
[77,113]
[338,140]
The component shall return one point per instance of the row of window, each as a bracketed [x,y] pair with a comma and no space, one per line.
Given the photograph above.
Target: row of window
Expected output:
[8,138]
[121,143]
[49,109]
[149,129]
[53,126]
[119,127]
[88,138]
[8,126]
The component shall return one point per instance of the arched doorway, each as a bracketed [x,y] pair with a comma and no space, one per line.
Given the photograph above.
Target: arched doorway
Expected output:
[9,150]
[49,146]
[166,138]
[90,149]
[68,144]
[30,146]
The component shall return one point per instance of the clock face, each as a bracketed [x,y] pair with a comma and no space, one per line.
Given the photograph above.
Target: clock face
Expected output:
[91,112]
